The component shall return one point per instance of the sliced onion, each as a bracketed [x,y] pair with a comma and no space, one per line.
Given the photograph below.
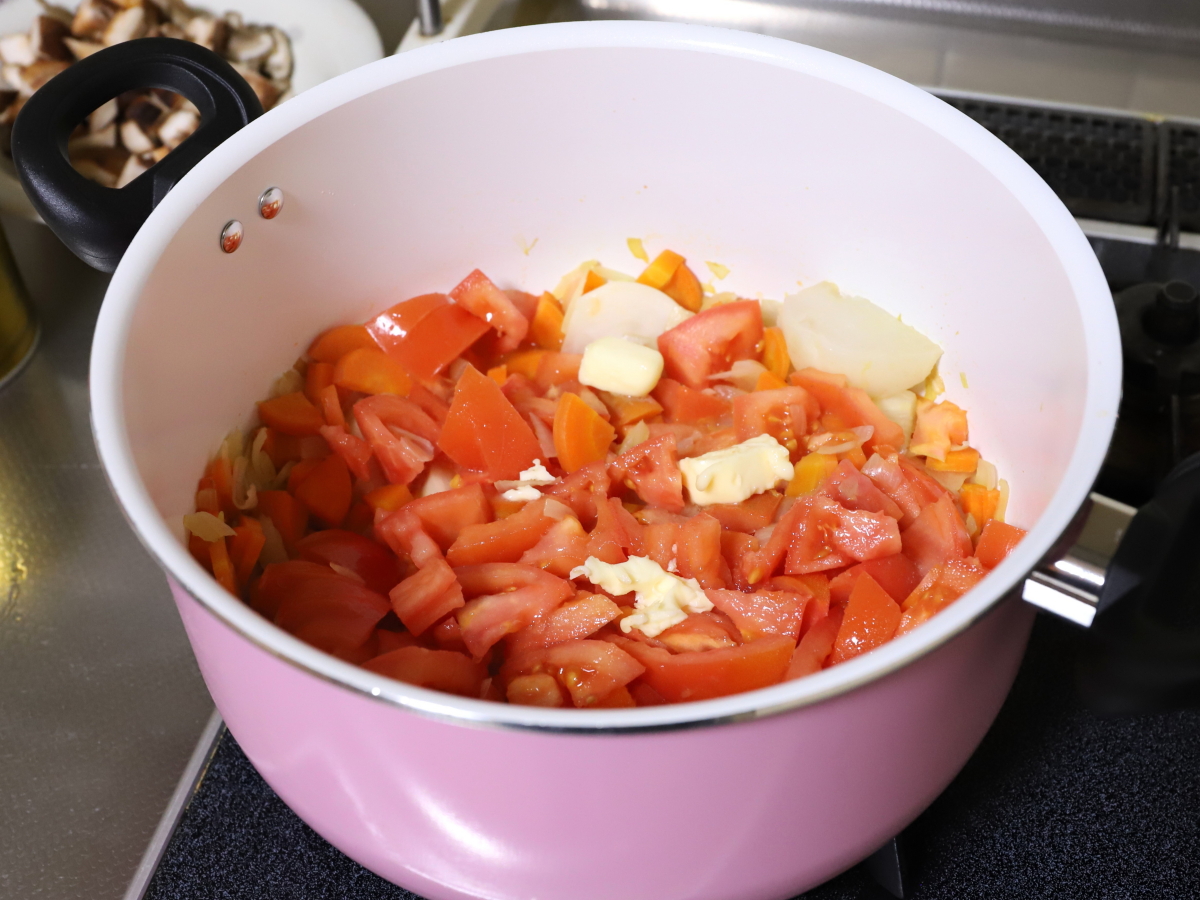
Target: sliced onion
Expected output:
[743,374]
[842,441]
[206,526]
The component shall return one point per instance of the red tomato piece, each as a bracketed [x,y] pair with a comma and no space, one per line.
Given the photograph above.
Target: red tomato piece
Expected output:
[996,541]
[852,406]
[245,547]
[711,342]
[896,574]
[370,561]
[426,596]
[311,601]
[699,631]
[938,536]
[370,370]
[556,368]
[735,548]
[659,541]
[758,565]
[698,553]
[853,490]
[404,533]
[484,433]
[616,535]
[387,422]
[561,549]
[816,645]
[817,586]
[501,541]
[883,469]
[327,491]
[680,677]
[940,587]
[538,689]
[763,612]
[426,333]
[685,405]
[506,598]
[286,513]
[814,546]
[749,515]
[871,618]
[438,670]
[398,413]
[479,296]
[335,343]
[573,621]
[589,670]
[863,535]
[652,467]
[446,514]
[291,414]
[782,413]
[354,451]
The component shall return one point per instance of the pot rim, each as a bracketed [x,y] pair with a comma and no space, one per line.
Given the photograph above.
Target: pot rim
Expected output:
[1098,316]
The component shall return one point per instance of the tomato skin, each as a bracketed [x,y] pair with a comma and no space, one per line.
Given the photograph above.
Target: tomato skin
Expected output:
[438,670]
[286,513]
[940,587]
[763,612]
[996,541]
[484,433]
[711,342]
[685,405]
[653,468]
[373,563]
[311,601]
[446,514]
[896,574]
[575,620]
[562,548]
[783,413]
[851,489]
[698,553]
[479,296]
[938,536]
[852,406]
[816,645]
[682,677]
[589,670]
[870,619]
[503,540]
[426,333]
[506,597]
[424,597]
[291,414]
[749,515]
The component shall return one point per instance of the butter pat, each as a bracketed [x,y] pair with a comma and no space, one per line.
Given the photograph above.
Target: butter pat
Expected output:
[662,599]
[526,488]
[619,366]
[738,472]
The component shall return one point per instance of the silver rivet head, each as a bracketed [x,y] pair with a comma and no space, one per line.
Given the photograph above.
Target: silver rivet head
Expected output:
[270,203]
[231,235]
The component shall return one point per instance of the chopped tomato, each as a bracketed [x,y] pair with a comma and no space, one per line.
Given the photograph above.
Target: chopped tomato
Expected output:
[581,436]
[814,546]
[680,677]
[371,371]
[581,489]
[481,298]
[354,451]
[699,551]
[505,598]
[286,513]
[782,413]
[561,549]
[896,574]
[426,596]
[439,670]
[327,491]
[335,343]
[937,536]
[816,584]
[763,612]
[938,589]
[652,468]
[291,414]
[750,515]
[938,427]
[484,433]
[996,542]
[758,565]
[367,559]
[589,670]
[616,535]
[577,619]
[538,689]
[446,514]
[850,405]
[699,631]
[401,435]
[711,342]
[502,541]
[403,532]
[390,497]
[816,645]
[557,368]
[332,612]
[863,535]
[426,333]
[689,406]
[871,618]
[885,473]
[854,490]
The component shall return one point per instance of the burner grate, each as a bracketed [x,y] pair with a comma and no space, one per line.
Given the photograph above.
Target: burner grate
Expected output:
[1179,169]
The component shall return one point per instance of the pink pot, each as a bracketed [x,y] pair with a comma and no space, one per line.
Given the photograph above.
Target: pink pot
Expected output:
[524,152]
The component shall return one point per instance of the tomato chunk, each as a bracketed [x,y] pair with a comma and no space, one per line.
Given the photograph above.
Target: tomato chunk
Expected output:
[425,334]
[763,612]
[711,342]
[291,414]
[997,541]
[327,491]
[681,677]
[330,611]
[871,618]
[446,514]
[896,574]
[652,467]
[370,561]
[940,587]
[501,541]
[749,515]
[698,553]
[574,620]
[559,550]
[687,405]
[937,536]
[850,405]
[506,598]
[782,413]
[484,432]
[479,296]
[815,647]
[426,596]
[439,670]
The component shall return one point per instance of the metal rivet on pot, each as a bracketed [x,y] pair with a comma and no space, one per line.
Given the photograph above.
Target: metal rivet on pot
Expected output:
[231,235]
[270,203]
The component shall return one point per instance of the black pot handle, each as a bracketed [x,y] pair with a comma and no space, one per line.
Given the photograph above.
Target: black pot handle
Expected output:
[1142,652]
[96,222]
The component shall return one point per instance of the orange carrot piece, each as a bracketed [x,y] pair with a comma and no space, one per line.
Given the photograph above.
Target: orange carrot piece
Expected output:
[390,497]
[327,490]
[286,513]
[593,281]
[221,566]
[555,368]
[371,371]
[317,377]
[335,343]
[661,270]
[299,472]
[581,436]
[775,353]
[221,473]
[331,406]
[498,374]
[769,381]
[291,414]
[965,460]
[979,502]
[684,288]
[524,362]
[545,330]
[996,542]
[244,548]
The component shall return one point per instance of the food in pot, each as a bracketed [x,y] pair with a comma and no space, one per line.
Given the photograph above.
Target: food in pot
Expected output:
[130,133]
[622,492]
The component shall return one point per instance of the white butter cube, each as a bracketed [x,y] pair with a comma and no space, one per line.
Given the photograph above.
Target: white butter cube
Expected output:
[621,367]
[736,473]
[661,599]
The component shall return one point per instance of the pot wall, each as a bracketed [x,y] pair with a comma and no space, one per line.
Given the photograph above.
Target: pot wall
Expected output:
[752,811]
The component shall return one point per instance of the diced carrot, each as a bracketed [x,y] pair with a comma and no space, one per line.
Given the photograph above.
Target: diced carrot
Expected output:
[979,502]
[996,542]
[221,473]
[299,472]
[555,368]
[222,568]
[661,270]
[964,460]
[281,448]
[769,381]
[317,377]
[775,353]
[855,455]
[684,288]
[327,490]
[331,406]
[593,281]
[524,362]
[371,371]
[390,497]
[545,330]
[810,473]
[244,548]
[291,414]
[628,411]
[335,343]
[498,374]
[581,436]
[286,513]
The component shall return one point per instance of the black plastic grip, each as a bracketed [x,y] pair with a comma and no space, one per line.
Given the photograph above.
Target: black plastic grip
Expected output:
[1142,652]
[96,222]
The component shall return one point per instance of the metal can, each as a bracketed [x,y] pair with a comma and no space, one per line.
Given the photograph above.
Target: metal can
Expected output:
[18,329]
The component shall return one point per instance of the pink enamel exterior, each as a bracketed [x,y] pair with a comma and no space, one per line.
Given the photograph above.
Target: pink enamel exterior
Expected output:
[760,810]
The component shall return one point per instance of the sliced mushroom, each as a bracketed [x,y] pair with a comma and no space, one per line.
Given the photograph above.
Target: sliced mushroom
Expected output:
[91,18]
[104,114]
[81,49]
[249,45]
[101,164]
[207,31]
[47,38]
[278,64]
[27,79]
[126,25]
[268,92]
[134,139]
[17,50]
[144,111]
[233,19]
[54,11]
[132,169]
[104,137]
[157,154]
[177,128]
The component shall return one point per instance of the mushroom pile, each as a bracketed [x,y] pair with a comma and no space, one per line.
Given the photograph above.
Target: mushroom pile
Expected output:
[131,132]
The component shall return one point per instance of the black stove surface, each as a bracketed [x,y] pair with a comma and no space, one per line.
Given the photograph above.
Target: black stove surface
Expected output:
[1056,802]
